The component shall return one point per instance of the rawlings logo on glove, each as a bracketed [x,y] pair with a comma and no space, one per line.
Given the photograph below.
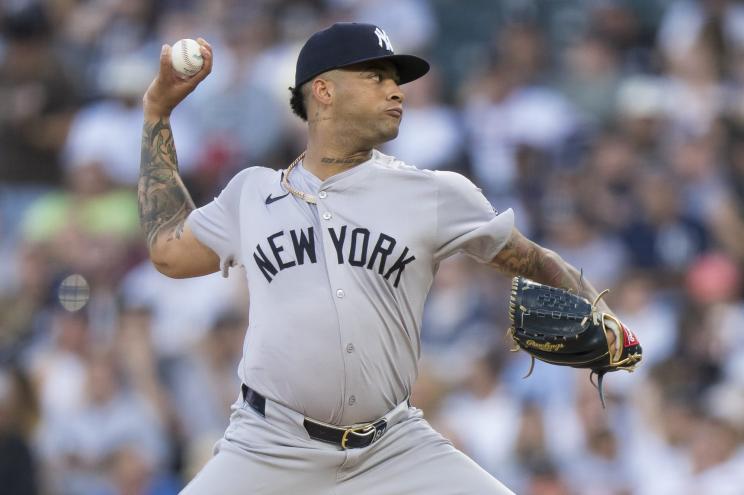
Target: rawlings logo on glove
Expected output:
[560,327]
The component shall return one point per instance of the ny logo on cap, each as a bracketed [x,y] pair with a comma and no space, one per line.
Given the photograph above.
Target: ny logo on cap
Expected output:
[382,37]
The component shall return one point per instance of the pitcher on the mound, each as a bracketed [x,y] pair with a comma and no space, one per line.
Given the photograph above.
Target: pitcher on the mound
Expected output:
[340,249]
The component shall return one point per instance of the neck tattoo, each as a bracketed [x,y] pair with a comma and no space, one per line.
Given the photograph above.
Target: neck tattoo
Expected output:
[307,197]
[342,161]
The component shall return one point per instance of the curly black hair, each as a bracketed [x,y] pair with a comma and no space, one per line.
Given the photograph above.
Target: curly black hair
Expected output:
[297,102]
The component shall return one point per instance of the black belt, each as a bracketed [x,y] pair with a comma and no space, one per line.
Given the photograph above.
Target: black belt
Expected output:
[354,437]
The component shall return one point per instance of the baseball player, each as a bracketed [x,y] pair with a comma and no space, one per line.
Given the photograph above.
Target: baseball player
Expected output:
[340,249]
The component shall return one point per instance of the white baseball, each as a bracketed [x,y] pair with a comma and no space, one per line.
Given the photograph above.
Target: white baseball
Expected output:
[186,57]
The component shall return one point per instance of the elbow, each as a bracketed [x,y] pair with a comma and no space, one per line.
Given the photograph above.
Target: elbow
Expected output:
[169,270]
[162,264]
[174,263]
[164,268]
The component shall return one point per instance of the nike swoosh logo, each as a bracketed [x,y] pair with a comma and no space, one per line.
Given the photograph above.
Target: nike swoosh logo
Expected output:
[270,200]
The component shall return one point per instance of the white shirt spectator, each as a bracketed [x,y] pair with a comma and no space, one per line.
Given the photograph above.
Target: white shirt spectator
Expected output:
[487,428]
[684,20]
[429,137]
[534,116]
[109,133]
[183,310]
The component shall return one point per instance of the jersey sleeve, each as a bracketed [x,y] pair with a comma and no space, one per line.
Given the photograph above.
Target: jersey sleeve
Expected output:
[217,224]
[466,221]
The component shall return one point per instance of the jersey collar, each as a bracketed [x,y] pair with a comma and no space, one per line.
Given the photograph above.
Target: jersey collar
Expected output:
[316,182]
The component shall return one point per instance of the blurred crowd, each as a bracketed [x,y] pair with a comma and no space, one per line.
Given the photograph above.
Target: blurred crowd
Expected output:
[614,128]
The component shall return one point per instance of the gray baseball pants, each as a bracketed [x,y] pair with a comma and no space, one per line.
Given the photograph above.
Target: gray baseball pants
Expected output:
[275,456]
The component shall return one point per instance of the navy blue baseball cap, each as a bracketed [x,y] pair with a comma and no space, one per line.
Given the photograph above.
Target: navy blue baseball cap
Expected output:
[348,43]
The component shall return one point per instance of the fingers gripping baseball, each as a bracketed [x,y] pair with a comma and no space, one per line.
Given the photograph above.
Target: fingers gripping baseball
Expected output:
[169,87]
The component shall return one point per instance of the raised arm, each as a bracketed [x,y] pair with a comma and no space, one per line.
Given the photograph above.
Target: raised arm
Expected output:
[164,202]
[521,256]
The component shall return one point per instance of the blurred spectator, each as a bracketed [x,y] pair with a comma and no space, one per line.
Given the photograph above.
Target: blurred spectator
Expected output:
[531,448]
[182,310]
[714,285]
[36,96]
[591,79]
[693,80]
[663,239]
[694,163]
[652,317]
[505,107]
[717,458]
[431,133]
[88,228]
[22,312]
[139,363]
[410,23]
[727,216]
[457,318]
[482,417]
[604,186]
[37,99]
[19,414]
[620,24]
[600,257]
[131,473]
[546,480]
[105,135]
[718,23]
[641,107]
[110,418]
[59,365]
[205,385]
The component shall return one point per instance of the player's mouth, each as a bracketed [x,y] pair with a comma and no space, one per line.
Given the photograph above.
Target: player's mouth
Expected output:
[396,112]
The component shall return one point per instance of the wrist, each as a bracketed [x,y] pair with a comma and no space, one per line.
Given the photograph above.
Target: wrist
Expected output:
[155,114]
[154,111]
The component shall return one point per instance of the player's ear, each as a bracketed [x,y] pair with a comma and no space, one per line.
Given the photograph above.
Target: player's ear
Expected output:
[322,90]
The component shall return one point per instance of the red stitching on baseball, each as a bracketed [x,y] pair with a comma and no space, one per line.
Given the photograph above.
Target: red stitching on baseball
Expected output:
[186,61]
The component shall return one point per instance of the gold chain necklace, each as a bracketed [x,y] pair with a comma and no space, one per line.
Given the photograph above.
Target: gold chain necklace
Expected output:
[309,198]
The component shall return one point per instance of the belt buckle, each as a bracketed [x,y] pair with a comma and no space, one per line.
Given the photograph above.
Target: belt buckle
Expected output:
[362,430]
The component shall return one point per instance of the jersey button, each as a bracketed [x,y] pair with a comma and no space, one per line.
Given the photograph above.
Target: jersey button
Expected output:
[350,348]
[327,215]
[322,194]
[352,400]
[340,293]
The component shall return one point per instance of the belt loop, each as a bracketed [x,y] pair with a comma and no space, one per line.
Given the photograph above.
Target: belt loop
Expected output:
[254,399]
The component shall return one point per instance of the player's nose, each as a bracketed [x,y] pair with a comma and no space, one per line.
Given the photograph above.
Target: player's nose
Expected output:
[395,93]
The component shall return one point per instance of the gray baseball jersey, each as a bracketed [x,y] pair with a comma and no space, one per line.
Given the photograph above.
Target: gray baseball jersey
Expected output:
[337,289]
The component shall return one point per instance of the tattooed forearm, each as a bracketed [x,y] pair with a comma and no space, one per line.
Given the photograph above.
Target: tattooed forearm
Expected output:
[521,256]
[164,202]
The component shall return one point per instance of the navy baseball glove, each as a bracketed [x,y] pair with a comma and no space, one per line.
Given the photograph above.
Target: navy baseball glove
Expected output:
[560,327]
